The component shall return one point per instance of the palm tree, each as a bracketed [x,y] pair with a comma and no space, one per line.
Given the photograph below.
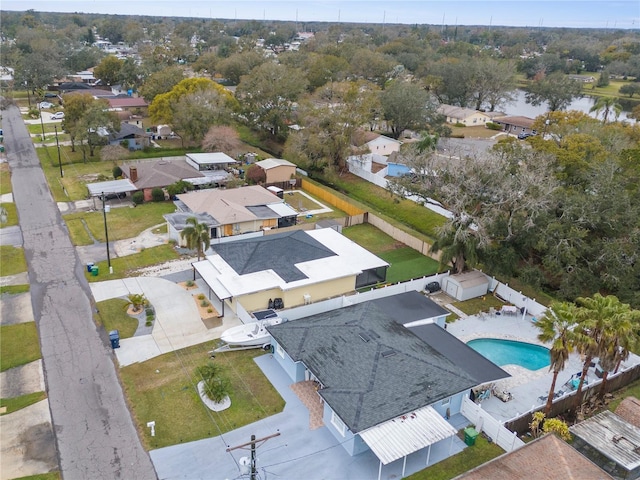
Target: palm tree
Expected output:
[217,385]
[557,326]
[136,301]
[606,105]
[458,245]
[197,236]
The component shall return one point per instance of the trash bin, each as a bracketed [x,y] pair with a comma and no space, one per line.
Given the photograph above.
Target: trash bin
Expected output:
[94,271]
[470,435]
[114,337]
[90,266]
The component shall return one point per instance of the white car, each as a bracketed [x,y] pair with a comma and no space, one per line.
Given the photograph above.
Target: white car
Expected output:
[42,105]
[57,116]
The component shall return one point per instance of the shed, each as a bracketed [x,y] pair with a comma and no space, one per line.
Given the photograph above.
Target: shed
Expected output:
[463,286]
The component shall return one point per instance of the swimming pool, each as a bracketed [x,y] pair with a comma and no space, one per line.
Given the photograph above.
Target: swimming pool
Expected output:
[507,352]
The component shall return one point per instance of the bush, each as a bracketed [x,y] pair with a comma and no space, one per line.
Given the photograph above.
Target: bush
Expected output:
[190,283]
[217,385]
[33,113]
[493,126]
[137,198]
[204,303]
[117,172]
[150,318]
[149,312]
[459,124]
[157,195]
[201,296]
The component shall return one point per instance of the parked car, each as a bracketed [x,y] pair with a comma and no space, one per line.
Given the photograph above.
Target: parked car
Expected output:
[42,105]
[524,135]
[57,116]
[432,287]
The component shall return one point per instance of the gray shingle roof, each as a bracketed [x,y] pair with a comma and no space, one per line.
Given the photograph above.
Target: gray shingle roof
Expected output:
[279,252]
[372,368]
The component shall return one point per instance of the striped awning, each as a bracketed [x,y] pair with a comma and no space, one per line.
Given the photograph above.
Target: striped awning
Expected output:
[403,435]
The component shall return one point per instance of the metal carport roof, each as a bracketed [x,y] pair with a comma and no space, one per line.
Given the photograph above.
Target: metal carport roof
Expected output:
[210,275]
[112,186]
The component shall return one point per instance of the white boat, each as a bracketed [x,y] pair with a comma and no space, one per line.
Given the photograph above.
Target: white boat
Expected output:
[250,334]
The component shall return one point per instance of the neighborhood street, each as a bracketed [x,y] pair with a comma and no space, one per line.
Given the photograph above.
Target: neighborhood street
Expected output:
[94,433]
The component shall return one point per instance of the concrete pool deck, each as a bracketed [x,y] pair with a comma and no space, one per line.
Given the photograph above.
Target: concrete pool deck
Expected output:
[526,386]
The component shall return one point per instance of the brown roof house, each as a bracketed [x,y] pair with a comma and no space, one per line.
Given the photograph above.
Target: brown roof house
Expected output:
[546,458]
[516,125]
[159,173]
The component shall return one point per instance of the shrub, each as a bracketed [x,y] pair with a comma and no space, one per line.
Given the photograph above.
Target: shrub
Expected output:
[148,323]
[149,311]
[204,303]
[157,195]
[190,283]
[209,310]
[150,318]
[459,124]
[33,113]
[201,296]
[216,384]
[117,172]
[493,126]
[137,198]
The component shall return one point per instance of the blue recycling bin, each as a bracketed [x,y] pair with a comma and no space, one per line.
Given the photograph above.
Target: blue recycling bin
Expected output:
[90,266]
[114,337]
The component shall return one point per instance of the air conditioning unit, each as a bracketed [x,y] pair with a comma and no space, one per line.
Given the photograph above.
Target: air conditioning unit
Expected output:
[307,298]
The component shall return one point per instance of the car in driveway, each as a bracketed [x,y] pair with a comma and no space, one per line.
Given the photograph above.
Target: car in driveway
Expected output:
[57,116]
[525,135]
[42,105]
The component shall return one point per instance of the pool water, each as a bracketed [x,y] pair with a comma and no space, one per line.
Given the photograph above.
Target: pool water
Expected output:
[508,352]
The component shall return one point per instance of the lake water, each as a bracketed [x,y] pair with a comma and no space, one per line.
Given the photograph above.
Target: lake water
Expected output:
[521,107]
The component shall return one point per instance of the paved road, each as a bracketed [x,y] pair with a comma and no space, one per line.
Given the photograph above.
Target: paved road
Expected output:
[95,435]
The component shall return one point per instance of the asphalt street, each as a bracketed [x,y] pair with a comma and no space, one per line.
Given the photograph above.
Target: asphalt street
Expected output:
[94,431]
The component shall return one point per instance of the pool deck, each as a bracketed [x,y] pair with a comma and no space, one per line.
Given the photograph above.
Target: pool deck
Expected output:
[526,386]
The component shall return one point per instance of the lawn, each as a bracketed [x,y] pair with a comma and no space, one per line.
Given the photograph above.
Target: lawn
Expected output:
[12,214]
[5,179]
[631,390]
[18,345]
[371,238]
[112,315]
[42,476]
[300,203]
[12,260]
[14,289]
[163,389]
[469,458]
[125,266]
[480,304]
[17,403]
[407,264]
[473,132]
[122,222]
[36,128]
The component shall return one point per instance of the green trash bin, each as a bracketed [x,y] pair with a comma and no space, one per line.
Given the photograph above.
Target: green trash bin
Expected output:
[94,271]
[470,435]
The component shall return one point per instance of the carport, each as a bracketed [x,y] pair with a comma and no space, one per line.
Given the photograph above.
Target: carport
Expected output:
[113,186]
[399,437]
[209,274]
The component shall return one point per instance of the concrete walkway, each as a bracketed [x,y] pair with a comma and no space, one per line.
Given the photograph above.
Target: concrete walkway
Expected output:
[177,325]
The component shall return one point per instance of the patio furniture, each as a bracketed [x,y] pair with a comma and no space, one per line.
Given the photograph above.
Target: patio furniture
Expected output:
[509,310]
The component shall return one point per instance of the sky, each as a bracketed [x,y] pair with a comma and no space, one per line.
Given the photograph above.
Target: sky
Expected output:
[541,13]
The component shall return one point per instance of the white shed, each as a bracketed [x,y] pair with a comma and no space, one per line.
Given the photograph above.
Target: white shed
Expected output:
[464,286]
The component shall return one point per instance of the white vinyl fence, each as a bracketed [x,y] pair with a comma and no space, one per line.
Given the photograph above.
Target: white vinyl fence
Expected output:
[484,422]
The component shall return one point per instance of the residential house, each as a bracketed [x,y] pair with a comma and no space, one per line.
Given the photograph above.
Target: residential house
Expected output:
[277,170]
[134,137]
[382,145]
[384,387]
[217,167]
[159,173]
[236,210]
[545,458]
[297,266]
[466,116]
[609,440]
[516,124]
[583,78]
[125,103]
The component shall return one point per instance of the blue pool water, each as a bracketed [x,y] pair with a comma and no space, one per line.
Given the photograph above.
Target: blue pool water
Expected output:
[507,352]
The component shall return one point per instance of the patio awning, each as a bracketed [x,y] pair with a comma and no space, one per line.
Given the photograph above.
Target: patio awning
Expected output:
[112,186]
[401,436]
[210,275]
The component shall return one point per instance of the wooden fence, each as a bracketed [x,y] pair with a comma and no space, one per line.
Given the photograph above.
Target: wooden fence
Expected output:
[331,198]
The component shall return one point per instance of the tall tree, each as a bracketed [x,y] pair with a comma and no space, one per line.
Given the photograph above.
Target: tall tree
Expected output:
[194,113]
[407,106]
[161,82]
[556,327]
[108,70]
[606,105]
[197,236]
[557,89]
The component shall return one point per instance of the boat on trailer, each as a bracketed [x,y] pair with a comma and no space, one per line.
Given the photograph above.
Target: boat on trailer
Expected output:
[251,335]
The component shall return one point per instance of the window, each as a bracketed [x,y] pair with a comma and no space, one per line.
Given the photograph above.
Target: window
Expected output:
[336,422]
[280,350]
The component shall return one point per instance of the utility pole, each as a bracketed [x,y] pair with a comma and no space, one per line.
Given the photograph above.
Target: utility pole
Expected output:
[55,127]
[106,231]
[252,444]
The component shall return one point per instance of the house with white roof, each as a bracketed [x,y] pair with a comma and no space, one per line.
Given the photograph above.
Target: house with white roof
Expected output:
[298,267]
[466,116]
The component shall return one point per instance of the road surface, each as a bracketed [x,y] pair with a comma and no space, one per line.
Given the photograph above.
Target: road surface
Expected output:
[94,431]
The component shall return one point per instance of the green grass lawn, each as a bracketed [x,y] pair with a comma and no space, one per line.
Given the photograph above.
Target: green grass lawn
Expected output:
[5,179]
[12,260]
[469,458]
[122,222]
[473,132]
[631,390]
[42,476]
[477,305]
[163,389]
[112,315]
[18,345]
[371,238]
[17,403]
[126,266]
[14,289]
[36,128]
[12,214]
[407,264]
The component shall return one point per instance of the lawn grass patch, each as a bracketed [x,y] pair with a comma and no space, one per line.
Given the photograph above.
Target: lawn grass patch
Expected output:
[631,390]
[121,222]
[163,389]
[5,179]
[474,306]
[112,315]
[469,458]
[36,129]
[371,238]
[42,476]
[126,266]
[14,289]
[18,345]
[473,132]
[12,214]
[407,264]
[18,403]
[12,260]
